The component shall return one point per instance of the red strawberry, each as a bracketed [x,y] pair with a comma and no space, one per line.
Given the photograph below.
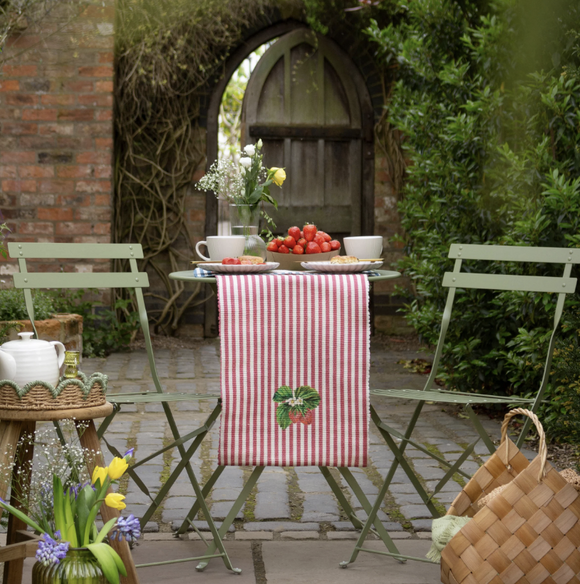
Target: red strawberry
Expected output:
[312,248]
[283,249]
[309,232]
[302,242]
[334,244]
[231,262]
[289,242]
[272,246]
[294,232]
[307,418]
[298,249]
[325,247]
[319,238]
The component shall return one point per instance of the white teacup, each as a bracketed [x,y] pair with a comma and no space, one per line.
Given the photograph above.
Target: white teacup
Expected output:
[365,247]
[222,246]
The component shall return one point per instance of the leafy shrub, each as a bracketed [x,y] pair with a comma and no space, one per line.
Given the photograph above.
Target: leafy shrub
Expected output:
[105,330]
[492,139]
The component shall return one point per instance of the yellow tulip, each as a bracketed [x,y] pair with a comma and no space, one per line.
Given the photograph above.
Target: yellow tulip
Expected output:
[115,500]
[99,473]
[279,175]
[117,467]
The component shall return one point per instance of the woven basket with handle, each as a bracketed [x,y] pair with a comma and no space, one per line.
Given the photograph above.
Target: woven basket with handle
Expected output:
[529,533]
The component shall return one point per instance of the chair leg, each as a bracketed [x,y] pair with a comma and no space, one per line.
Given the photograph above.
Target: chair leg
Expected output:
[229,519]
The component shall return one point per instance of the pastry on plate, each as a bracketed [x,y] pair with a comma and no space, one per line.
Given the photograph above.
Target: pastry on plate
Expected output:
[344,260]
[250,260]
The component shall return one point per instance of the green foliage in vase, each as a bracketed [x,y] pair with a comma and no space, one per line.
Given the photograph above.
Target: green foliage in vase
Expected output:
[492,140]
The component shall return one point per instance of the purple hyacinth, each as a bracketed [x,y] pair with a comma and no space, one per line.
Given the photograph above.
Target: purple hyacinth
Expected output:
[50,551]
[128,528]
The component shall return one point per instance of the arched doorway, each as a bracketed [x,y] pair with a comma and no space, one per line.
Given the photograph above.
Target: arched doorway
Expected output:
[305,103]
[329,160]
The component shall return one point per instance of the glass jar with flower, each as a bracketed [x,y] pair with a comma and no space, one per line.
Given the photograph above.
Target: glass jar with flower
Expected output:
[246,185]
[61,503]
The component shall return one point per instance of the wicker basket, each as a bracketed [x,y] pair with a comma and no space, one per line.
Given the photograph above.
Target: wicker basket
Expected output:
[83,392]
[528,533]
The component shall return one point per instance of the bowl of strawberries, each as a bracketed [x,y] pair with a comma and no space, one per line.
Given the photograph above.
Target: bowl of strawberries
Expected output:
[300,245]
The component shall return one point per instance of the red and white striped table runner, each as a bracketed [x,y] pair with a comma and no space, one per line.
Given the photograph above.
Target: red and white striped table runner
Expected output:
[279,334]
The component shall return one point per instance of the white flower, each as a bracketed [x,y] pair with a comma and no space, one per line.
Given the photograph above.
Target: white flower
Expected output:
[259,144]
[250,150]
[245,161]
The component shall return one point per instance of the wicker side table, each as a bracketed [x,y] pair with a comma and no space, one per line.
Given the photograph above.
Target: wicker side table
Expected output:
[13,423]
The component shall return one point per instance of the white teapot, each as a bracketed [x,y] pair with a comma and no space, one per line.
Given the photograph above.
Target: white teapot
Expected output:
[31,359]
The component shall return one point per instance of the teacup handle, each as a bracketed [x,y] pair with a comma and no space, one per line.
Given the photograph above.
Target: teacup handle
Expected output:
[60,350]
[199,253]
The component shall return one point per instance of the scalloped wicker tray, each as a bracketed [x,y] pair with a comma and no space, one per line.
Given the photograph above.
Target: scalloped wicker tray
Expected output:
[82,392]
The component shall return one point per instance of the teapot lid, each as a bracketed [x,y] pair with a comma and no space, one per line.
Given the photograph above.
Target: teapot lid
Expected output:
[25,343]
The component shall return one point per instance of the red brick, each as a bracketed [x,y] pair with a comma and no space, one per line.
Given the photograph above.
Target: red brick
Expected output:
[12,113]
[77,143]
[92,239]
[197,215]
[9,85]
[79,86]
[97,100]
[21,99]
[18,157]
[94,129]
[36,200]
[36,171]
[47,115]
[7,172]
[74,171]
[92,214]
[93,186]
[74,200]
[73,228]
[19,186]
[62,99]
[56,186]
[20,70]
[104,115]
[38,142]
[106,57]
[23,41]
[60,129]
[102,200]
[19,129]
[36,228]
[76,115]
[7,200]
[104,87]
[103,171]
[55,214]
[102,228]
[104,143]
[102,71]
[94,158]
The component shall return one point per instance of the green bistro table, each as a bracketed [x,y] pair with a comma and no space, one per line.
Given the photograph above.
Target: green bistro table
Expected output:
[379,530]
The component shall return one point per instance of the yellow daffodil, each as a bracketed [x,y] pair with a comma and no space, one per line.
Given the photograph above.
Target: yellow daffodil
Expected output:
[117,467]
[279,175]
[115,500]
[99,473]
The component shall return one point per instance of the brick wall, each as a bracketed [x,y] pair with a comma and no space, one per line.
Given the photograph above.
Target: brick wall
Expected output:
[56,140]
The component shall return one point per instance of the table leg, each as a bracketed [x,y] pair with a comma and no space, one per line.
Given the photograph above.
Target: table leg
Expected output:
[90,440]
[22,459]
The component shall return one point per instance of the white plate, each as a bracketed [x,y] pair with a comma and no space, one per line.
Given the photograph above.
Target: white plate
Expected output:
[240,269]
[329,267]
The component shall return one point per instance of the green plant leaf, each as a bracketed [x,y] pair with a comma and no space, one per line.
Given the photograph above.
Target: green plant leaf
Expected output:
[310,397]
[107,558]
[105,530]
[58,498]
[282,394]
[18,514]
[282,416]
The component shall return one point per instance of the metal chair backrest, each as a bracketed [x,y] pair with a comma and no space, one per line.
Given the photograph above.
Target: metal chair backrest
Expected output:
[560,285]
[133,279]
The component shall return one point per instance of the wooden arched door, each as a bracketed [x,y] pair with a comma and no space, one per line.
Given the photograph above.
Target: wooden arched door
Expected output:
[307,103]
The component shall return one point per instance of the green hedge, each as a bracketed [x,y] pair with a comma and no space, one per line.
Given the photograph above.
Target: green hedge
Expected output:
[492,135]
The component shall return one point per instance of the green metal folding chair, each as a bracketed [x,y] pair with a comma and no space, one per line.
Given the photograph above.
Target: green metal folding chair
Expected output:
[133,280]
[561,286]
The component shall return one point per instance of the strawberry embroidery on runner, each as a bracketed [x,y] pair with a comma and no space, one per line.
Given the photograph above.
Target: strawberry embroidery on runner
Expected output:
[295,405]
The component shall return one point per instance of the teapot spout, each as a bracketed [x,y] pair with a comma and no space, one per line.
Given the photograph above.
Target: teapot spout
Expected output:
[7,365]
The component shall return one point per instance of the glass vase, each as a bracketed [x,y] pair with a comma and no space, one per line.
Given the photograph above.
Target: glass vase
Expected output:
[245,221]
[79,566]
